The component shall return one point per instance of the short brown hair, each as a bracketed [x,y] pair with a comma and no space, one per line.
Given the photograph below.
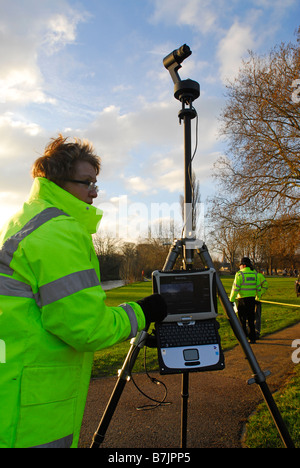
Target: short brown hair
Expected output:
[59,159]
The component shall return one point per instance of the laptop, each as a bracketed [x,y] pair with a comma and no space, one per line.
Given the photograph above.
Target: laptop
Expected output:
[188,338]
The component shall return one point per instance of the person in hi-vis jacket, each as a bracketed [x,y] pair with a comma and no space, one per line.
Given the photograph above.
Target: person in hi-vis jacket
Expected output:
[53,314]
[245,288]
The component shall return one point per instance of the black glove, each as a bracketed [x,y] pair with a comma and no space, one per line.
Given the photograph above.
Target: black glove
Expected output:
[154,308]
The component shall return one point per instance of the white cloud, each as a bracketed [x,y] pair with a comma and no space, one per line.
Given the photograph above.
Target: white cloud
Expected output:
[232,48]
[140,184]
[27,31]
[22,86]
[21,142]
[8,121]
[20,77]
[173,181]
[61,29]
[144,150]
[196,13]
[118,136]
[60,32]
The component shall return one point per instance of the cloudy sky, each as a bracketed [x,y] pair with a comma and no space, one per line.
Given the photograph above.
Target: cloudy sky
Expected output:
[93,69]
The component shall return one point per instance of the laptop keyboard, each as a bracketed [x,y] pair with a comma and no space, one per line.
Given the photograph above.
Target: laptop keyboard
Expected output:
[200,333]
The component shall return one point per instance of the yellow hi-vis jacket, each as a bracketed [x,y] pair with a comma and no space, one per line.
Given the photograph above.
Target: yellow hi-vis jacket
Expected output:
[246,284]
[264,285]
[53,317]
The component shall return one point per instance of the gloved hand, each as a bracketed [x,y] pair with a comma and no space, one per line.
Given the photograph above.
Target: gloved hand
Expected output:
[154,308]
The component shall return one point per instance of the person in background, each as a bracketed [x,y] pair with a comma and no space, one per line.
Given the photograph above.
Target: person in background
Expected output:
[297,286]
[53,314]
[244,289]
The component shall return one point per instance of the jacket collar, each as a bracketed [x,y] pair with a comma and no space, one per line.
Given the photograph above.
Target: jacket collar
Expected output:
[89,216]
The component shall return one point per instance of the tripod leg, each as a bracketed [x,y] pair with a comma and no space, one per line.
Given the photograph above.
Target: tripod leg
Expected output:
[259,376]
[184,408]
[172,255]
[124,376]
[108,414]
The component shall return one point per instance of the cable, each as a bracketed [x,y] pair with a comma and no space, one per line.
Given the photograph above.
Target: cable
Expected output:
[196,144]
[192,158]
[157,382]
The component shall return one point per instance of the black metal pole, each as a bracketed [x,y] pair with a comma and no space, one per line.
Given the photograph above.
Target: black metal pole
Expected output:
[187,114]
[99,435]
[187,157]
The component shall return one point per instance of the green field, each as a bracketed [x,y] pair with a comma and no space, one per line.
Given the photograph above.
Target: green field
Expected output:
[261,431]
[274,317]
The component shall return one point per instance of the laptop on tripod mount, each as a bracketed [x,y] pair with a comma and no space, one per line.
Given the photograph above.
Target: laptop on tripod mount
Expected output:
[188,338]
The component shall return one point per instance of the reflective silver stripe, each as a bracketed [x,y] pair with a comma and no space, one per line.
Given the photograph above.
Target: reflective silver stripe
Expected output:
[249,282]
[12,287]
[132,318]
[65,442]
[10,246]
[67,285]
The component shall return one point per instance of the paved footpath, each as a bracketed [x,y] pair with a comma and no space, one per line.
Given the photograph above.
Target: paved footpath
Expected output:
[218,407]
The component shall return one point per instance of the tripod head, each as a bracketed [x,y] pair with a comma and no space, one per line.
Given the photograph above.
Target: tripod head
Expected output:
[185,91]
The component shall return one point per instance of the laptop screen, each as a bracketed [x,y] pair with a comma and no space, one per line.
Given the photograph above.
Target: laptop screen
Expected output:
[187,293]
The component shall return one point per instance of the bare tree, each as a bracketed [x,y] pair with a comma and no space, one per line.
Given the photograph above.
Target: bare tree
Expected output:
[107,249]
[260,175]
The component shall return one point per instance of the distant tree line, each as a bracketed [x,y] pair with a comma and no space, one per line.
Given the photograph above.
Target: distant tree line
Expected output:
[133,261]
[274,249]
[129,261]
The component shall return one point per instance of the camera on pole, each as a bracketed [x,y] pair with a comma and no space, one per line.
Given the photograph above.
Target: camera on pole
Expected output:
[185,91]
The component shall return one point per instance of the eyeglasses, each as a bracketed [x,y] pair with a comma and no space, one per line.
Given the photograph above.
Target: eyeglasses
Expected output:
[92,187]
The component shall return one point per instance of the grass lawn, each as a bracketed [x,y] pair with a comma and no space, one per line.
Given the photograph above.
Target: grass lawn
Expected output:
[261,432]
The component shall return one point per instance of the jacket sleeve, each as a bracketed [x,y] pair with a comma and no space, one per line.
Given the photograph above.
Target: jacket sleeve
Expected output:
[236,286]
[69,293]
[263,285]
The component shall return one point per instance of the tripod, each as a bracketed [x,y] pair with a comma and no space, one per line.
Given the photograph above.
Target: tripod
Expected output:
[186,92]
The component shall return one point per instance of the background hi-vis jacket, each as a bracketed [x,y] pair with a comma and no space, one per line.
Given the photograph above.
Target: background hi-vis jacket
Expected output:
[246,284]
[264,285]
[52,317]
